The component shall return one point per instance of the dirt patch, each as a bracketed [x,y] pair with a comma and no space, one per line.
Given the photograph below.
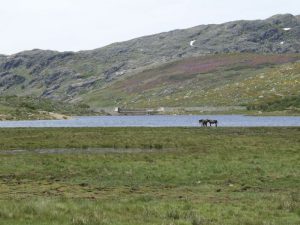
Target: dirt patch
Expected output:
[58,116]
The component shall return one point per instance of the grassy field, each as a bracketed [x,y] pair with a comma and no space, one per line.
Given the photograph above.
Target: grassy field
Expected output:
[187,176]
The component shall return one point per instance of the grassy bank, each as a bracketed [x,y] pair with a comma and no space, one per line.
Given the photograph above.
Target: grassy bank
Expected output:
[34,108]
[181,176]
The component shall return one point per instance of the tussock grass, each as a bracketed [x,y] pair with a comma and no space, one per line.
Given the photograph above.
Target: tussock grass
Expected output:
[194,176]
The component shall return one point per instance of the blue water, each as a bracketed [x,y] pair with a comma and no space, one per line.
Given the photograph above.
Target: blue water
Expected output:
[160,121]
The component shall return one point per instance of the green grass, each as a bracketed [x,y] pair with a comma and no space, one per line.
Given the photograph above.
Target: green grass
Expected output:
[29,107]
[292,103]
[182,176]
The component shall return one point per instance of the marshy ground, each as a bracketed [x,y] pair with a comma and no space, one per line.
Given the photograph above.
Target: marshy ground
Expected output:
[149,176]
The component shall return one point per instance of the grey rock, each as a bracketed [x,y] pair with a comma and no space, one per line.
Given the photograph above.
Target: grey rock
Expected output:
[8,80]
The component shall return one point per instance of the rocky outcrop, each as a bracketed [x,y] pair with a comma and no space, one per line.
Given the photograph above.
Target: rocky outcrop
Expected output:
[8,80]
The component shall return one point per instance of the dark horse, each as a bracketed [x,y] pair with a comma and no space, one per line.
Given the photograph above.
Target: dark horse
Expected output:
[213,122]
[205,122]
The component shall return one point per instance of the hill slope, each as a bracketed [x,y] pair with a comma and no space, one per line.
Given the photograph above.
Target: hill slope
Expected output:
[177,56]
[218,80]
[25,107]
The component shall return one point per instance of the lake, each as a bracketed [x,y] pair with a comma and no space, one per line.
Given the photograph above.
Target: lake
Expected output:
[160,121]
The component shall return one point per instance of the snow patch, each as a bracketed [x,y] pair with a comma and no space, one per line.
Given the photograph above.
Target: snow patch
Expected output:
[282,42]
[287,28]
[120,73]
[192,43]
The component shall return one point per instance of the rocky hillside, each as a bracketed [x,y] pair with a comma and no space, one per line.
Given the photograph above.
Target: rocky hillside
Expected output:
[74,77]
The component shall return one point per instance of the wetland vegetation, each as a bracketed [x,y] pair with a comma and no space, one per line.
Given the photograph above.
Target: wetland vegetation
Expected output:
[179,176]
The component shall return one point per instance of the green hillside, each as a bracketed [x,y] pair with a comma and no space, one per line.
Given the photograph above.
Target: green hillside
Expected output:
[216,80]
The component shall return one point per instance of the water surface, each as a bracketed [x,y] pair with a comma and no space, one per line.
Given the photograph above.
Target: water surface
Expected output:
[160,121]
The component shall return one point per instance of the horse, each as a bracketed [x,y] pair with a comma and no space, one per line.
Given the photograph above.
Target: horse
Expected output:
[206,121]
[203,122]
[213,122]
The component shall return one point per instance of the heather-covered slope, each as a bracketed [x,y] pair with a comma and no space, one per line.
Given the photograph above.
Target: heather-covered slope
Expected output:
[218,80]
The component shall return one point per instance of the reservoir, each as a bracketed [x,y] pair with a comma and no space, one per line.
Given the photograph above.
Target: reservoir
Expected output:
[160,121]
